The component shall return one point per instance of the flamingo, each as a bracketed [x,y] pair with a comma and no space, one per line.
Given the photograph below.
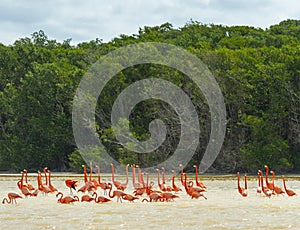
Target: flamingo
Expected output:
[175,187]
[269,185]
[101,199]
[148,186]
[153,197]
[136,185]
[93,182]
[123,186]
[66,199]
[88,198]
[140,191]
[168,196]
[42,187]
[140,180]
[198,183]
[277,189]
[51,187]
[116,193]
[117,184]
[102,185]
[242,191]
[24,189]
[161,185]
[167,187]
[71,184]
[265,190]
[193,192]
[129,197]
[29,185]
[11,198]
[88,185]
[181,174]
[196,195]
[21,183]
[289,192]
[259,189]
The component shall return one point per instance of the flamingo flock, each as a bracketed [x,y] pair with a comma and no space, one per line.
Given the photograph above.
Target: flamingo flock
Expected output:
[267,189]
[144,190]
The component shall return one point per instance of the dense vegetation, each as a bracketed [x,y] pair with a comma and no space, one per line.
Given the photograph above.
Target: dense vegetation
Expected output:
[257,70]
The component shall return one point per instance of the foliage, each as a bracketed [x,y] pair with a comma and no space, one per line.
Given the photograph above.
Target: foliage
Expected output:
[258,72]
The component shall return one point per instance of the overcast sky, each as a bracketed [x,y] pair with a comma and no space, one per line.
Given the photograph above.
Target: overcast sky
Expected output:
[85,20]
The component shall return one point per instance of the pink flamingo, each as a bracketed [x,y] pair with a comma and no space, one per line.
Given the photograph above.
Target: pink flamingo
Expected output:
[198,183]
[116,193]
[123,186]
[102,184]
[117,184]
[242,191]
[51,187]
[12,197]
[277,189]
[29,185]
[136,185]
[289,192]
[175,187]
[66,199]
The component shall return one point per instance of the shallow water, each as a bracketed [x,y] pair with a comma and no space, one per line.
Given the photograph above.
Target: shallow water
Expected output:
[224,209]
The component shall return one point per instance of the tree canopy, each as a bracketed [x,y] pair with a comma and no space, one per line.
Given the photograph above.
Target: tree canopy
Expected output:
[258,71]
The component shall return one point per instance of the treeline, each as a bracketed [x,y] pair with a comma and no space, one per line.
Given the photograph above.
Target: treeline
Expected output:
[257,70]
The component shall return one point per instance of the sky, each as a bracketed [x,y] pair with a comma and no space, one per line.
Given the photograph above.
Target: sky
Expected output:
[86,20]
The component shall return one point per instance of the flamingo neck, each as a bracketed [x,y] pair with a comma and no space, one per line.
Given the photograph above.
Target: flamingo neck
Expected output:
[238,181]
[158,175]
[147,180]
[267,175]
[26,176]
[163,176]
[197,171]
[60,198]
[262,183]
[8,201]
[85,174]
[109,192]
[184,183]
[284,184]
[133,174]
[46,178]
[49,177]
[22,177]
[126,182]
[91,171]
[139,175]
[98,174]
[173,179]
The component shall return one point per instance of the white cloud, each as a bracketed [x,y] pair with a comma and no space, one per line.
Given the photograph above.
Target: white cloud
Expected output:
[86,20]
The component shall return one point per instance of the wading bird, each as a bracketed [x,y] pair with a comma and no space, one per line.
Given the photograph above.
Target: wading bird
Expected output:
[102,184]
[198,183]
[289,192]
[66,199]
[71,184]
[242,191]
[277,190]
[12,197]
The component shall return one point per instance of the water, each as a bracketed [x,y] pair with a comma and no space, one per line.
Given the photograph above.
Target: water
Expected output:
[224,209]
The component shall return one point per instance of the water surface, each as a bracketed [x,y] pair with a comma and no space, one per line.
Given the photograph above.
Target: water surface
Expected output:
[224,209]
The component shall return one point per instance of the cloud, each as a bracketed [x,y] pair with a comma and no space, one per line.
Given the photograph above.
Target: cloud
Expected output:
[86,20]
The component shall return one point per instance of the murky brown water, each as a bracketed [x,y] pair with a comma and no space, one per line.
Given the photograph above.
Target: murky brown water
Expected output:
[224,209]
